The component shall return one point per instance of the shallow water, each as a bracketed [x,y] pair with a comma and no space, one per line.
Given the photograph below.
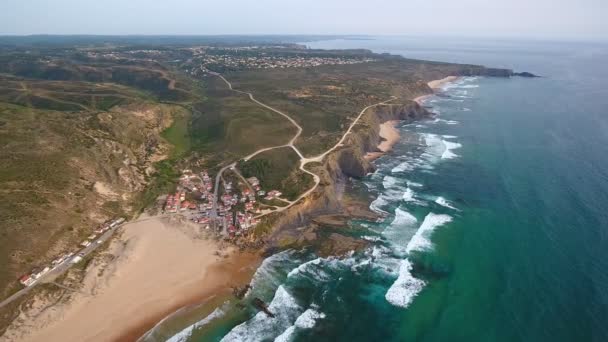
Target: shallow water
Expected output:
[497,219]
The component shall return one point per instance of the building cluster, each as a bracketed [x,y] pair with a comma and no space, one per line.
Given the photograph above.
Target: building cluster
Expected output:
[70,257]
[273,62]
[233,212]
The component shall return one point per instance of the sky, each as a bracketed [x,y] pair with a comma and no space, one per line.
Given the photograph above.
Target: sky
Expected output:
[555,19]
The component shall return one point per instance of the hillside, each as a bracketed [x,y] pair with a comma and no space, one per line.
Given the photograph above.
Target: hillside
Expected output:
[92,132]
[77,149]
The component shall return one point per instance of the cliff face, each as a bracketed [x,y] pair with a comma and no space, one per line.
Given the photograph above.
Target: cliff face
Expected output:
[350,161]
[346,162]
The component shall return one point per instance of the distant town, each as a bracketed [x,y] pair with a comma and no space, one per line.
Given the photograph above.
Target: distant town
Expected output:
[272,62]
[245,57]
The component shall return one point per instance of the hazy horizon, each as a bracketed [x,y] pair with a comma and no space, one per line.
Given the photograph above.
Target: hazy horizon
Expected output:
[543,19]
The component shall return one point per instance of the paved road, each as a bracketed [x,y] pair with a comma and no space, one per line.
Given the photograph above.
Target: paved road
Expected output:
[61,268]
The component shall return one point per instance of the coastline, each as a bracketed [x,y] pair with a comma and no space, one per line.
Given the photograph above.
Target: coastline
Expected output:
[201,275]
[390,134]
[435,85]
[117,291]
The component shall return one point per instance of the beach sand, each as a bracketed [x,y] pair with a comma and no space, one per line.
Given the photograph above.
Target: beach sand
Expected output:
[158,268]
[389,132]
[435,85]
[390,136]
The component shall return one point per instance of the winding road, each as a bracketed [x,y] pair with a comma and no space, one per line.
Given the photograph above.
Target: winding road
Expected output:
[291,144]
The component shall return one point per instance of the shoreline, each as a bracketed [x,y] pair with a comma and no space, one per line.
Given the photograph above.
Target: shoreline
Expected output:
[388,130]
[435,85]
[201,276]
[116,291]
[390,136]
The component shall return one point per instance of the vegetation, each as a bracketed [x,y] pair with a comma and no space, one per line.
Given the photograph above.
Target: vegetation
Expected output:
[278,169]
[178,135]
[232,125]
[92,128]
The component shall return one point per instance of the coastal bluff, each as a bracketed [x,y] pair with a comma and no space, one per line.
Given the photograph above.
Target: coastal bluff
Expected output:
[298,226]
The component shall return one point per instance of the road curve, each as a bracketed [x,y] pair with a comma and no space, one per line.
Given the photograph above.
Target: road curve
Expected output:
[303,160]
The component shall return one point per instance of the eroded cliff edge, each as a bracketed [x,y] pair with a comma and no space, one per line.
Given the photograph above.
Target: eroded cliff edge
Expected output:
[330,205]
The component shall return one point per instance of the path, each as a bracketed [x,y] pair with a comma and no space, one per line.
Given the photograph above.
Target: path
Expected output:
[303,160]
[64,266]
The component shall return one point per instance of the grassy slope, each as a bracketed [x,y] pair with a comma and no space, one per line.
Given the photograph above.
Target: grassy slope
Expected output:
[324,100]
[278,170]
[228,126]
[51,161]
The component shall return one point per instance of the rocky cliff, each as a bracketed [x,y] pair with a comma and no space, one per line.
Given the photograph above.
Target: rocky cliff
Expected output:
[349,161]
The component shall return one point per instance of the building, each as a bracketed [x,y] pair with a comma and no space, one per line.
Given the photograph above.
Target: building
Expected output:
[27,280]
[254,181]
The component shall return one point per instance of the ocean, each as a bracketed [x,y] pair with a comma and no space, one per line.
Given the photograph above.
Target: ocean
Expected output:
[496,223]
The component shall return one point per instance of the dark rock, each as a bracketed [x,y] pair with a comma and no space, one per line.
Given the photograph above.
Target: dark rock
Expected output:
[525,74]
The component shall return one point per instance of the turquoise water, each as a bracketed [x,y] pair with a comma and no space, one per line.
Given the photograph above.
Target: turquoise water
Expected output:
[496,223]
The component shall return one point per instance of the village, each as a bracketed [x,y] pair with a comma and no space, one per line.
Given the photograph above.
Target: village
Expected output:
[65,260]
[231,210]
[271,62]
[231,213]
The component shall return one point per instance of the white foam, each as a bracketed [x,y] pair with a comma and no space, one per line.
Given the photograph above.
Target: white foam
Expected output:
[306,320]
[449,146]
[371,238]
[261,327]
[405,288]
[403,218]
[405,166]
[186,333]
[377,205]
[413,184]
[266,276]
[408,195]
[400,231]
[287,335]
[422,240]
[303,267]
[389,182]
[445,203]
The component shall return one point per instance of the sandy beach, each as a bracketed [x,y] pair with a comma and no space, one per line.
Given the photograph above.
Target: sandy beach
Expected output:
[435,85]
[388,131]
[390,136]
[157,268]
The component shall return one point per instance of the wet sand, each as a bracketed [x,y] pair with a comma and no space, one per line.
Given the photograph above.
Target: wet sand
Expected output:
[157,268]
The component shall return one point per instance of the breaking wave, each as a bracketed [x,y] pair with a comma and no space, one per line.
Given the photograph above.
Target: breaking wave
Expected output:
[261,327]
[422,240]
[445,203]
[306,320]
[185,334]
[405,288]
